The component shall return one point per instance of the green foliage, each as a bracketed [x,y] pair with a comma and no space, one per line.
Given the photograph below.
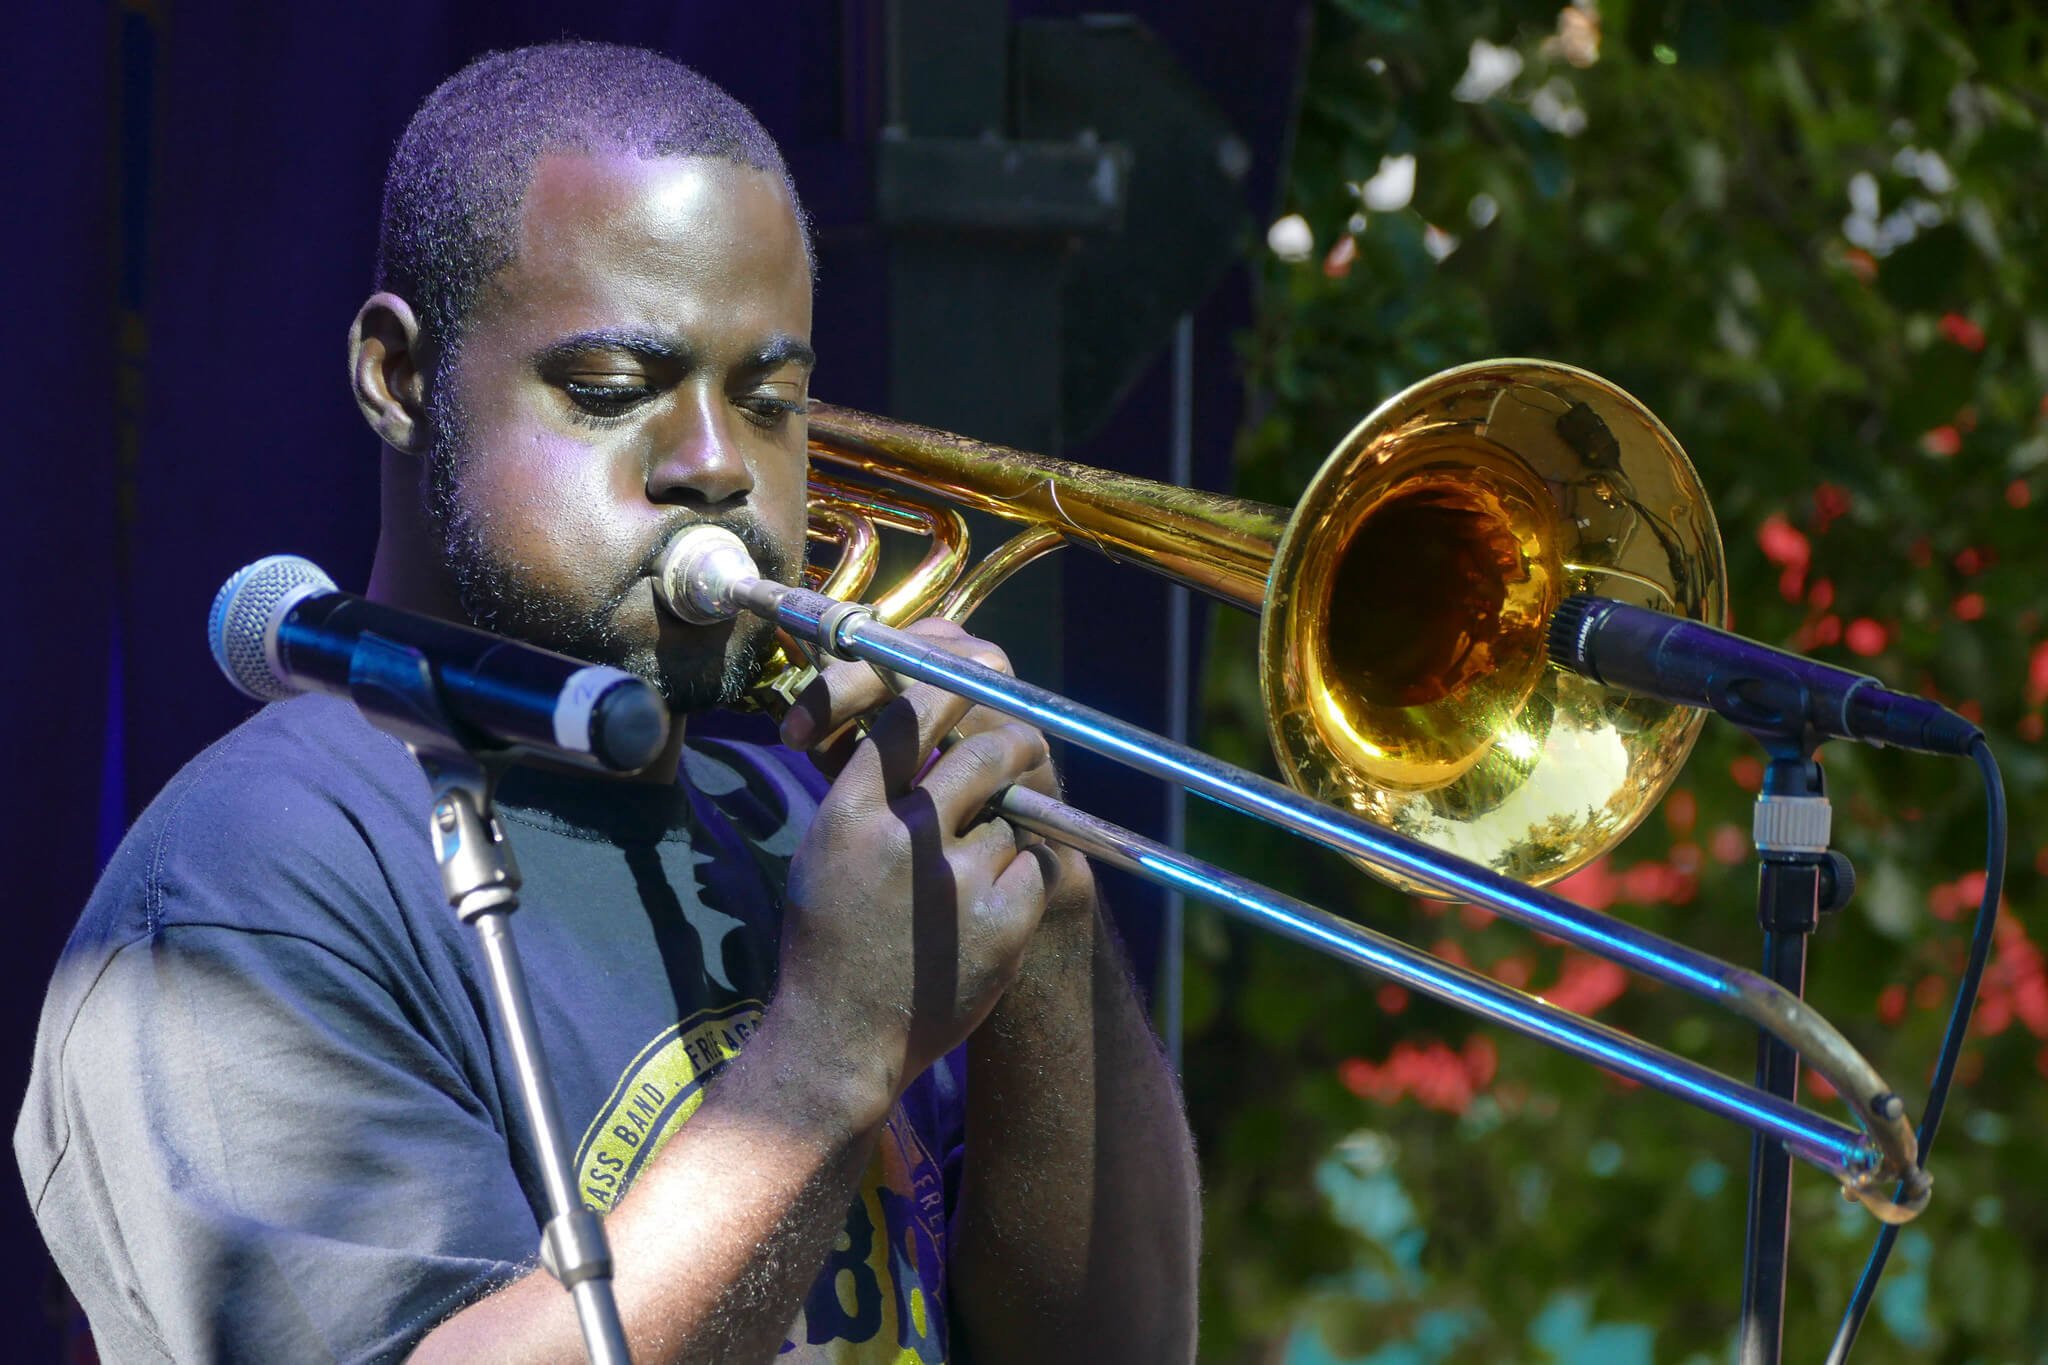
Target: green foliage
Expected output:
[1682,215]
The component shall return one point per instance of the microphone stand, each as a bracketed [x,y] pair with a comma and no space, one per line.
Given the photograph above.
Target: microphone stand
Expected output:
[393,685]
[1799,879]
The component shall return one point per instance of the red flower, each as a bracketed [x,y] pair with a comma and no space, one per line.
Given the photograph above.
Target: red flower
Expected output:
[1337,264]
[1512,970]
[1451,951]
[1783,543]
[1943,440]
[1962,331]
[1594,886]
[1587,984]
[1648,883]
[2037,675]
[1891,1004]
[1969,607]
[1482,1059]
[1728,844]
[1431,1073]
[1681,811]
[1830,504]
[1865,636]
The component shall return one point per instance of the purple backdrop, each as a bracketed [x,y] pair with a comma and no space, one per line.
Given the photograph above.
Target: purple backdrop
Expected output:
[192,195]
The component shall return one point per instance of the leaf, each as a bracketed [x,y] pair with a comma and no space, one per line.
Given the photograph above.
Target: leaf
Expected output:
[1929,273]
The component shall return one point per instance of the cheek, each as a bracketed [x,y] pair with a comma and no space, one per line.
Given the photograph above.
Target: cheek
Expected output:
[785,500]
[548,501]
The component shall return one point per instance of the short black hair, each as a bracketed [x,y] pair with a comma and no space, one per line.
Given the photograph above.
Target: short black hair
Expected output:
[452,192]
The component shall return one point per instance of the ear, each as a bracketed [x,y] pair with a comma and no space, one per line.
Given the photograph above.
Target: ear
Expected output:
[388,373]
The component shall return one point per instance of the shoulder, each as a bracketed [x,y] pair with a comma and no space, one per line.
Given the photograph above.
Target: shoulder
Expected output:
[302,801]
[290,853]
[303,820]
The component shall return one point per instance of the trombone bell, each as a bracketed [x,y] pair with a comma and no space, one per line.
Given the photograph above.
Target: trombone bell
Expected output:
[1401,648]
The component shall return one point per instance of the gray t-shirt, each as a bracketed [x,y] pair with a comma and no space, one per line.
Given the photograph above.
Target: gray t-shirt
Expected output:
[270,1118]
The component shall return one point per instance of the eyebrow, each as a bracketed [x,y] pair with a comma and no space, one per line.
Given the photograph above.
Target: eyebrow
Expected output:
[780,349]
[645,345]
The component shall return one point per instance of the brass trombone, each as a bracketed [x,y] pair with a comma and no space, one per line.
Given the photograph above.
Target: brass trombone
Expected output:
[1403,609]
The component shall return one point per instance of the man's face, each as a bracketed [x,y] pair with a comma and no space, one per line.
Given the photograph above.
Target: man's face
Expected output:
[641,366]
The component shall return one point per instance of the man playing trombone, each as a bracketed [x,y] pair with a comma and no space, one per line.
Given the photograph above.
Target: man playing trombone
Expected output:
[856,1073]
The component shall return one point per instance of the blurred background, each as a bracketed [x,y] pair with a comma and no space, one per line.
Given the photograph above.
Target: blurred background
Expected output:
[1199,243]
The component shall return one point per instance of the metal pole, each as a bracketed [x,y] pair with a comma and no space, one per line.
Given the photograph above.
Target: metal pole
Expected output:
[482,884]
[1792,827]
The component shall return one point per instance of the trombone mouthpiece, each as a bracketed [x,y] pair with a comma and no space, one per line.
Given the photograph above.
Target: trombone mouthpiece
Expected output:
[699,571]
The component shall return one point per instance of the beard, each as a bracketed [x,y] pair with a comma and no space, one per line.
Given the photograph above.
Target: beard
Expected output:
[502,594]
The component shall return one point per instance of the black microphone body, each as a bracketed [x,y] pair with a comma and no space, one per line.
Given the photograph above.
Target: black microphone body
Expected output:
[1772,692]
[279,627]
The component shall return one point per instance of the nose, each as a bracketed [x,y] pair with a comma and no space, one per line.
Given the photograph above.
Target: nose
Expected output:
[697,455]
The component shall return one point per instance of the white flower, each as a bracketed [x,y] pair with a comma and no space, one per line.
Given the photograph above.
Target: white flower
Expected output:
[1926,167]
[1391,187]
[1291,238]
[1488,70]
[1556,107]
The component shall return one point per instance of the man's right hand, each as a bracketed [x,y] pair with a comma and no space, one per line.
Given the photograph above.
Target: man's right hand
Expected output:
[908,909]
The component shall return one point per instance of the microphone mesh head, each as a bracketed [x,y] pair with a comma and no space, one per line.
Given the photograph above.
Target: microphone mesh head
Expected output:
[245,610]
[1567,634]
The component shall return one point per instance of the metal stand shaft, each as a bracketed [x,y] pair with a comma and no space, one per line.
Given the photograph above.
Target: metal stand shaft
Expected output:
[394,688]
[1799,878]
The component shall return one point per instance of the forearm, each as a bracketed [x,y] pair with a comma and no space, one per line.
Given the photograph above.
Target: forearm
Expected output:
[1079,1216]
[720,1237]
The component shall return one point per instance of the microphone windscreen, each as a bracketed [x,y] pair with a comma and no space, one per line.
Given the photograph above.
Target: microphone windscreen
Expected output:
[1570,625]
[241,625]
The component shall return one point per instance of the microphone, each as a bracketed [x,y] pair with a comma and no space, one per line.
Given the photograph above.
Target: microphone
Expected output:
[279,626]
[1770,691]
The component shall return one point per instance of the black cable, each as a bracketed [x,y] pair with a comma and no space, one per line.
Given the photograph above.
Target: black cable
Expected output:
[1951,1043]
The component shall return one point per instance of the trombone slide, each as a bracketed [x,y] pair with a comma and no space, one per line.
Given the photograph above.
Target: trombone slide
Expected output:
[713,583]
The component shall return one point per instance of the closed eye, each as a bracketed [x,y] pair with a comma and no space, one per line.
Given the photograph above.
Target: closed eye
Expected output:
[767,410]
[597,402]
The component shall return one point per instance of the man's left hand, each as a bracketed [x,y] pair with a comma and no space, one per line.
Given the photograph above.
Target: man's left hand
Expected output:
[823,722]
